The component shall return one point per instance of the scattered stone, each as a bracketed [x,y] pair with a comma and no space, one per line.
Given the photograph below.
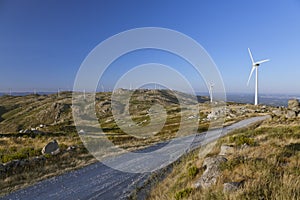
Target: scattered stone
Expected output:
[211,173]
[71,148]
[51,148]
[231,186]
[226,150]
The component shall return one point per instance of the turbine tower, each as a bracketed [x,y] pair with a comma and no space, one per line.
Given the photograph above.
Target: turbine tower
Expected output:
[255,66]
[211,86]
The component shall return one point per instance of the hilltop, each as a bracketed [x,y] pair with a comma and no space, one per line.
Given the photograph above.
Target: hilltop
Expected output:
[29,123]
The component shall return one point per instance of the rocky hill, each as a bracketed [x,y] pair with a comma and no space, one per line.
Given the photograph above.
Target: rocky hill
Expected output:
[54,112]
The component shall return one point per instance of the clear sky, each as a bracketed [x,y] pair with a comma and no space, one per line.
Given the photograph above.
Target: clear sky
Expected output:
[43,43]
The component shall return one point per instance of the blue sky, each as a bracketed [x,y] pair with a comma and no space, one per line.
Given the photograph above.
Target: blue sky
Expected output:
[43,43]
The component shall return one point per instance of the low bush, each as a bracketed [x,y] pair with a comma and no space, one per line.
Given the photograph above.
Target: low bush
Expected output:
[183,193]
[232,163]
[193,171]
[239,140]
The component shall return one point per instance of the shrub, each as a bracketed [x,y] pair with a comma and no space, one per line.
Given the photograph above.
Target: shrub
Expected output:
[231,164]
[193,171]
[183,193]
[14,154]
[239,140]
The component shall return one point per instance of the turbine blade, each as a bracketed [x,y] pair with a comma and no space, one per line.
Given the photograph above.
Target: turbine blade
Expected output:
[250,55]
[252,70]
[262,61]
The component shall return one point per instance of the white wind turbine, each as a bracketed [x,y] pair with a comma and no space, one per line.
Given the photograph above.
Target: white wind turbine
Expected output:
[211,86]
[255,66]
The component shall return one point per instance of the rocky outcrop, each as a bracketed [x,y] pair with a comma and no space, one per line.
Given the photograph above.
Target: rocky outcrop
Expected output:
[279,112]
[211,173]
[51,148]
[290,114]
[293,104]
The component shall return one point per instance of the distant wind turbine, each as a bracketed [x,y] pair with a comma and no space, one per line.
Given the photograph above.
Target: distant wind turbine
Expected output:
[211,86]
[255,66]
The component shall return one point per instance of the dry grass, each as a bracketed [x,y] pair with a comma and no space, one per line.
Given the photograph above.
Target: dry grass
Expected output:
[270,169]
[55,112]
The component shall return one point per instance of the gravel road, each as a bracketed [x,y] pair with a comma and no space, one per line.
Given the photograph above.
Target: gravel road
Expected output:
[97,181]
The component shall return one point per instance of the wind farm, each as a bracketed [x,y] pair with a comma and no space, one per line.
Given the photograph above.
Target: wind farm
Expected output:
[149,100]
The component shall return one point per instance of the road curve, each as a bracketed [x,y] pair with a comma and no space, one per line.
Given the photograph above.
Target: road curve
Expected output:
[97,181]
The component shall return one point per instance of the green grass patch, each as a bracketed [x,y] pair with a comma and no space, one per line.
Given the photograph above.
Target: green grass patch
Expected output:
[193,171]
[242,139]
[183,193]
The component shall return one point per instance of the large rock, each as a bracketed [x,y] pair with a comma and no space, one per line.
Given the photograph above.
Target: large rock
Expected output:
[291,114]
[278,112]
[226,150]
[51,148]
[211,173]
[293,104]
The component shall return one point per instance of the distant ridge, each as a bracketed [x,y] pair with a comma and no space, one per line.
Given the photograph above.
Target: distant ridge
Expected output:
[265,99]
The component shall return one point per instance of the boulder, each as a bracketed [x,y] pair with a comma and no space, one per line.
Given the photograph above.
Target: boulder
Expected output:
[232,186]
[293,104]
[278,112]
[226,150]
[290,114]
[211,173]
[51,148]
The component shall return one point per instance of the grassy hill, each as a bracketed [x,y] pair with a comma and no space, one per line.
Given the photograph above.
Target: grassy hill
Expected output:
[28,123]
